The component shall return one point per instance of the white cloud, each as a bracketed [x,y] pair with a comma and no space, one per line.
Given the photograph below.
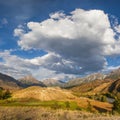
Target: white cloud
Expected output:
[14,65]
[20,67]
[76,44]
[57,15]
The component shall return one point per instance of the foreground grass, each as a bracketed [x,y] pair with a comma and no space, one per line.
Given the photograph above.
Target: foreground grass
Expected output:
[40,113]
[32,109]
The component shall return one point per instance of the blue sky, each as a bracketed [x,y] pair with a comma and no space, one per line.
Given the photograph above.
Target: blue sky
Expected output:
[59,38]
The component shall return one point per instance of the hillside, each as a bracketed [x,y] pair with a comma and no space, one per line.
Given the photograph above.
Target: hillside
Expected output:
[86,79]
[90,86]
[30,81]
[98,88]
[7,82]
[43,94]
[58,94]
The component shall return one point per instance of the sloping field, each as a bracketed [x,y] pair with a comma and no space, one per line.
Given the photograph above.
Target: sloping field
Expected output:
[44,94]
[58,94]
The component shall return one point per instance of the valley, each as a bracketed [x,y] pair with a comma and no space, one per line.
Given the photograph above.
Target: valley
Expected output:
[97,96]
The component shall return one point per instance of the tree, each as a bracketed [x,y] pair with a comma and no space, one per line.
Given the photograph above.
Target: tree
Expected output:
[103,99]
[6,94]
[1,94]
[56,106]
[89,107]
[116,105]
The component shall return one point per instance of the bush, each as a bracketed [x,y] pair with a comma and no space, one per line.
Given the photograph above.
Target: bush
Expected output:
[67,104]
[103,99]
[5,94]
[89,107]
[116,105]
[56,106]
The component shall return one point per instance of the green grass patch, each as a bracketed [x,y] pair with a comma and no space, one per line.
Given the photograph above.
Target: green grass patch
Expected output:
[69,105]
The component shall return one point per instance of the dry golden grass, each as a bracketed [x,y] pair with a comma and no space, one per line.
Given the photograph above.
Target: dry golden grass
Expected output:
[57,94]
[95,105]
[95,86]
[43,94]
[38,113]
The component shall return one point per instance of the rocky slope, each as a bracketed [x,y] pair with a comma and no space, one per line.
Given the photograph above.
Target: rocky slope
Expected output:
[8,82]
[30,81]
[86,79]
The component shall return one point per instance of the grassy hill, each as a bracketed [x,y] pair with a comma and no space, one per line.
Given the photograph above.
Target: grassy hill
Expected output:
[43,94]
[57,97]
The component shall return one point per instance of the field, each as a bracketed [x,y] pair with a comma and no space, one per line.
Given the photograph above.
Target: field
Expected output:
[24,109]
[69,105]
[40,113]
[36,103]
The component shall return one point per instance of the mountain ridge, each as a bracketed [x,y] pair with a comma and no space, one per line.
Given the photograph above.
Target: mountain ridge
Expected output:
[8,82]
[30,81]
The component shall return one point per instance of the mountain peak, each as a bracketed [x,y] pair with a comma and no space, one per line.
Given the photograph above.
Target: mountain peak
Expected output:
[30,81]
[8,82]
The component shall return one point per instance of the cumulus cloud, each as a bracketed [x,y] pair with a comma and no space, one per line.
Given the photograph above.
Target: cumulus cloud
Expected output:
[76,43]
[19,67]
[14,65]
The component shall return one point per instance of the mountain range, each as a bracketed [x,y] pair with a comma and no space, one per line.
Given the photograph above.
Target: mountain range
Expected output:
[8,82]
[88,91]
[78,81]
[30,81]
[11,83]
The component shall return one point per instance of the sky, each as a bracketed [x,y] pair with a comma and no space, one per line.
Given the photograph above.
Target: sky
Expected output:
[60,39]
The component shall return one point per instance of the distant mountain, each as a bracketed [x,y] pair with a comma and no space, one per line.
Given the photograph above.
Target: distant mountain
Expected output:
[78,81]
[8,82]
[53,82]
[30,81]
[115,74]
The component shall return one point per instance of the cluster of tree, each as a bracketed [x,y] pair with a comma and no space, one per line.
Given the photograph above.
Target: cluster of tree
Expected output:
[101,98]
[116,105]
[4,94]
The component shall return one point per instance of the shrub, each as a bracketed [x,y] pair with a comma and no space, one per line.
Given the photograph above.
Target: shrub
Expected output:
[89,107]
[56,106]
[116,105]
[67,104]
[103,99]
[5,94]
